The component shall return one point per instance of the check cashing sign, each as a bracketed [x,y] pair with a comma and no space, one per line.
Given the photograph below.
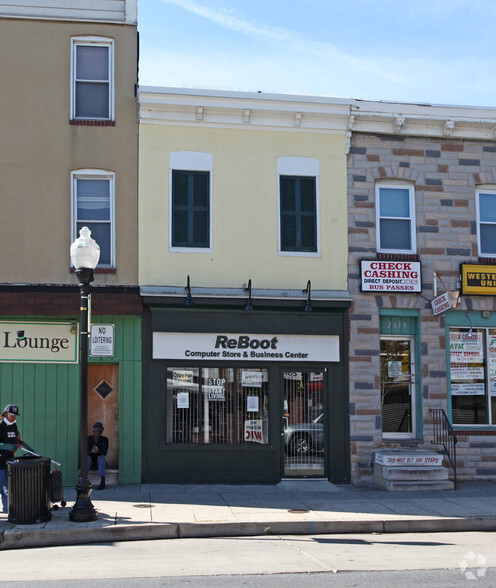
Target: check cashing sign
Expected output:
[245,347]
[390,276]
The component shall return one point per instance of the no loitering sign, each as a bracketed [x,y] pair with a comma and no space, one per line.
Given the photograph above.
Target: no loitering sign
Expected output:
[102,340]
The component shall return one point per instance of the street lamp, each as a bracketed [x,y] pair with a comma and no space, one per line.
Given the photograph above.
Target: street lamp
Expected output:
[85,253]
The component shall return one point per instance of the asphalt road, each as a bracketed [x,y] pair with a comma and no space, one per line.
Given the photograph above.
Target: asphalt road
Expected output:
[454,558]
[399,579]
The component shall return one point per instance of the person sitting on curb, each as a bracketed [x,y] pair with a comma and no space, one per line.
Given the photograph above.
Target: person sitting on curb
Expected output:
[97,451]
[9,434]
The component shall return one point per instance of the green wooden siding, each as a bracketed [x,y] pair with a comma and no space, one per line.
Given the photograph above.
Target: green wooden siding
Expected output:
[48,399]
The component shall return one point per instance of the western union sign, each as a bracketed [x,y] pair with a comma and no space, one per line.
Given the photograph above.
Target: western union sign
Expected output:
[478,279]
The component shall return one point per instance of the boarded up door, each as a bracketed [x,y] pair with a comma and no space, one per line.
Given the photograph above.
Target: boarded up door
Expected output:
[103,406]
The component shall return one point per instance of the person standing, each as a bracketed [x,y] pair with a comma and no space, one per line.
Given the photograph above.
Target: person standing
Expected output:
[97,451]
[9,434]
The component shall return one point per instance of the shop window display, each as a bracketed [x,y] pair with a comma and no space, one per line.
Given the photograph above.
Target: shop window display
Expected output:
[473,376]
[217,406]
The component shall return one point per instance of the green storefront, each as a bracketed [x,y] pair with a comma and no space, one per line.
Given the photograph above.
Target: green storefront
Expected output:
[237,396]
[47,388]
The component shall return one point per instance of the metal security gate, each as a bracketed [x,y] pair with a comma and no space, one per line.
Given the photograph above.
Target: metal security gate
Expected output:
[303,423]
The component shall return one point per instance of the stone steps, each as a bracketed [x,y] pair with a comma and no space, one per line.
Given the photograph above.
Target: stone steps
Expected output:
[399,471]
[407,474]
[418,486]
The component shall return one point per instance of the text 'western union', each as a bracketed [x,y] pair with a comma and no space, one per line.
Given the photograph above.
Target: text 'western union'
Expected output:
[482,279]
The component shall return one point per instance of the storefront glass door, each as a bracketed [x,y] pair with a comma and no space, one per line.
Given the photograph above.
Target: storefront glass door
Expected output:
[397,386]
[303,423]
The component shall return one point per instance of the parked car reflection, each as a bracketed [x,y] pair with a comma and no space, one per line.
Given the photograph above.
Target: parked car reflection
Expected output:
[303,438]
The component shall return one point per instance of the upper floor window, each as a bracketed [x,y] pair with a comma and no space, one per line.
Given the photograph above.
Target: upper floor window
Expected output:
[93,206]
[298,205]
[486,222]
[92,88]
[395,218]
[190,208]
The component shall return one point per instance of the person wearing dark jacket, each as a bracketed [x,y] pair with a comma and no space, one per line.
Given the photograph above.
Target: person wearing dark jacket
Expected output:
[97,451]
[9,434]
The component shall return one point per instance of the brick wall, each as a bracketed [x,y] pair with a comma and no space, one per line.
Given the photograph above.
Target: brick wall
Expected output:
[64,301]
[445,173]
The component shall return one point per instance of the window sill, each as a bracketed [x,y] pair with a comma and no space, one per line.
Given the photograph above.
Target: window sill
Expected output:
[92,123]
[190,250]
[299,253]
[397,439]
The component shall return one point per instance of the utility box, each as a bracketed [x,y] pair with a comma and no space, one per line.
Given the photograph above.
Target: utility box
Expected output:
[28,488]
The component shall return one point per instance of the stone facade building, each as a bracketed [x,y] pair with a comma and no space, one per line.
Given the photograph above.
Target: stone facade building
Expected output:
[422,200]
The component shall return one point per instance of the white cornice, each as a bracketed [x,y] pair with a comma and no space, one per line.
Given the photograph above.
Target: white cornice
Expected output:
[428,120]
[101,11]
[313,114]
[172,106]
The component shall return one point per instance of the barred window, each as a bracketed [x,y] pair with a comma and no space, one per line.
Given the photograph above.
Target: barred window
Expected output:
[217,406]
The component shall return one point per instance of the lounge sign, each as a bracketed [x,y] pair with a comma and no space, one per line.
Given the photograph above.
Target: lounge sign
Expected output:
[478,279]
[390,276]
[38,342]
[243,347]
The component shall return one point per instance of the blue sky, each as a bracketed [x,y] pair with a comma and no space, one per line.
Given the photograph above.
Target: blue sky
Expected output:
[434,51]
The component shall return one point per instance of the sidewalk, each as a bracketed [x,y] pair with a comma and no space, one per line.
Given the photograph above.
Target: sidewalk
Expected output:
[161,511]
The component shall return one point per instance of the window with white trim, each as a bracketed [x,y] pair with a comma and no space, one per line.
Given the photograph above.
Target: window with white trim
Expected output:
[92,78]
[191,201]
[395,218]
[93,206]
[486,222]
[298,202]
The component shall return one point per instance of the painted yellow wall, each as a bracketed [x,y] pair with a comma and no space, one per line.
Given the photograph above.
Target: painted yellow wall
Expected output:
[39,149]
[245,218]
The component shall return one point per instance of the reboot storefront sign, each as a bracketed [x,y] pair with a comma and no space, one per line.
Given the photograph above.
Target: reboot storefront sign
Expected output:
[242,347]
[390,276]
[38,342]
[478,279]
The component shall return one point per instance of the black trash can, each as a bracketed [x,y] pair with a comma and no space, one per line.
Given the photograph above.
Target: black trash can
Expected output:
[28,487]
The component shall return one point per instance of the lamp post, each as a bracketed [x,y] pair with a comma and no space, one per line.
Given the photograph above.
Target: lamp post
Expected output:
[85,254]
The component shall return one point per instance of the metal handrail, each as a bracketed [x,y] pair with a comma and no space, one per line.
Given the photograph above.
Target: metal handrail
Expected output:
[445,435]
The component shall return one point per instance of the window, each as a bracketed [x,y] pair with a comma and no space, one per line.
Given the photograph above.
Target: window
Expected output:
[486,222]
[191,210]
[473,375]
[298,205]
[395,219]
[217,406]
[92,78]
[93,206]
[298,219]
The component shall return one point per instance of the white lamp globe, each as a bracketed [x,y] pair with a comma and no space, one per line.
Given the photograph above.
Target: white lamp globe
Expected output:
[85,251]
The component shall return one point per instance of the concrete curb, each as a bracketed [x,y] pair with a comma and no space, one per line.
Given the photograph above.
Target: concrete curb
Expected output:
[20,539]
